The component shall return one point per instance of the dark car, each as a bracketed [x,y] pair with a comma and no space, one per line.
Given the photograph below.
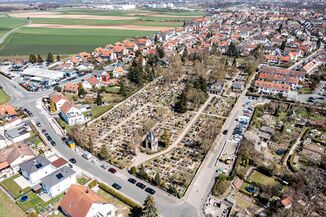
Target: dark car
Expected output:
[132,180]
[44,131]
[225,132]
[112,170]
[38,124]
[150,190]
[116,186]
[49,138]
[141,185]
[72,160]
[53,143]
[64,139]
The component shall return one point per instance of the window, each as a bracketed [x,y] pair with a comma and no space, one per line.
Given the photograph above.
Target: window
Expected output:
[59,176]
[38,166]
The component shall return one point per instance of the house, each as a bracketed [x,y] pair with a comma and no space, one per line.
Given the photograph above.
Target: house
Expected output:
[59,181]
[143,42]
[71,88]
[80,201]
[105,77]
[58,99]
[15,154]
[286,202]
[18,134]
[266,87]
[117,69]
[237,86]
[91,82]
[71,114]
[216,87]
[7,110]
[36,168]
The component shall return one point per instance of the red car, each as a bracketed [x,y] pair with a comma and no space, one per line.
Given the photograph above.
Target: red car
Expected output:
[112,170]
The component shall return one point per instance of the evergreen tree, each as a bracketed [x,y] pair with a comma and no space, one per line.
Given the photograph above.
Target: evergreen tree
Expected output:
[103,152]
[50,58]
[181,104]
[157,179]
[201,84]
[283,45]
[122,90]
[39,59]
[99,100]
[165,139]
[133,170]
[160,52]
[81,90]
[155,39]
[232,51]
[149,208]
[58,57]
[32,58]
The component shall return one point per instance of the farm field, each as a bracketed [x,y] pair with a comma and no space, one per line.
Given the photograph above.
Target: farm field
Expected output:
[72,30]
[63,41]
[8,23]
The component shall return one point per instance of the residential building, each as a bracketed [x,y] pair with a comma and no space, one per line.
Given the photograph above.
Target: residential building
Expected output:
[15,154]
[59,181]
[80,201]
[71,114]
[271,88]
[36,168]
[18,134]
[58,99]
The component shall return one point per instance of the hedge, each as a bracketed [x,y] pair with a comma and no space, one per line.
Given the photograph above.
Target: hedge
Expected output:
[92,183]
[120,196]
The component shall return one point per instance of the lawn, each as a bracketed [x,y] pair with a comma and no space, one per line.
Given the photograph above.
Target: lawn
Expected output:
[35,202]
[82,180]
[99,110]
[123,209]
[4,97]
[63,41]
[8,207]
[13,188]
[263,179]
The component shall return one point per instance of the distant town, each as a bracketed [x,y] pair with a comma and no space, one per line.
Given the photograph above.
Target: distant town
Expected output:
[209,109]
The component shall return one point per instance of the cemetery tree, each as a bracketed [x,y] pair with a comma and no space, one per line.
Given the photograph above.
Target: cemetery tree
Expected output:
[39,59]
[149,209]
[50,58]
[58,57]
[165,139]
[181,104]
[283,45]
[160,52]
[157,179]
[32,58]
[232,51]
[103,152]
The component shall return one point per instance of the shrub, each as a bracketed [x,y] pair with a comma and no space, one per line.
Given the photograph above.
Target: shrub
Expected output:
[92,183]
[120,196]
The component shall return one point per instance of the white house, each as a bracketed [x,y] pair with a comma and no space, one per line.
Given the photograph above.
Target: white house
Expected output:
[93,205]
[59,181]
[91,82]
[15,154]
[71,114]
[18,134]
[36,168]
[58,99]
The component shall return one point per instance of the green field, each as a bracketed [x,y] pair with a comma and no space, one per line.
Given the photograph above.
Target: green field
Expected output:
[9,207]
[4,97]
[63,41]
[8,23]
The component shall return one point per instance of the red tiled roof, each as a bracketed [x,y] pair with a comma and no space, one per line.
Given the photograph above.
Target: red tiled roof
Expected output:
[272,85]
[59,162]
[57,97]
[92,81]
[7,109]
[78,200]
[71,87]
[67,106]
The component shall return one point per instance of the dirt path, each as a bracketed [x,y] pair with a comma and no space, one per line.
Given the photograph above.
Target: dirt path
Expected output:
[122,27]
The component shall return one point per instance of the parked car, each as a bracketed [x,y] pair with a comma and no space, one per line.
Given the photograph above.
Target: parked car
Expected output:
[225,132]
[72,160]
[112,170]
[104,166]
[116,186]
[43,131]
[150,190]
[38,124]
[53,143]
[141,185]
[132,180]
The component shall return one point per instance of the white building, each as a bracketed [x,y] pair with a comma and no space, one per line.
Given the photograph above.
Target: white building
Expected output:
[36,168]
[18,134]
[71,114]
[59,181]
[38,74]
